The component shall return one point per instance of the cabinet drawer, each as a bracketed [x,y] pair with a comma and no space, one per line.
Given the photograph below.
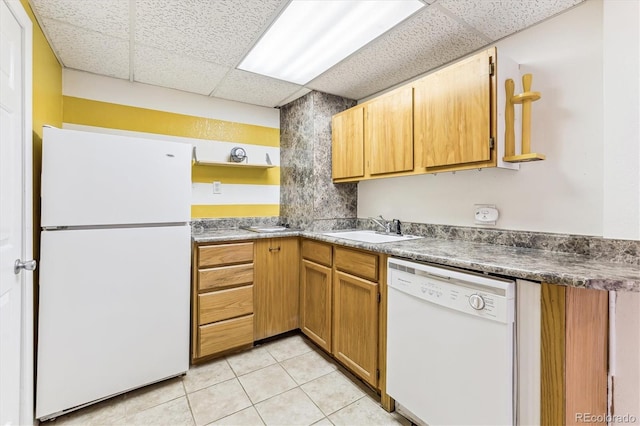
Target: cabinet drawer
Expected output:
[225,304]
[316,252]
[224,335]
[225,254]
[225,276]
[364,265]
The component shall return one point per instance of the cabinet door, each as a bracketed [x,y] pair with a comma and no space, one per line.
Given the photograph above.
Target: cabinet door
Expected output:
[347,147]
[389,132]
[355,325]
[315,303]
[276,294]
[452,113]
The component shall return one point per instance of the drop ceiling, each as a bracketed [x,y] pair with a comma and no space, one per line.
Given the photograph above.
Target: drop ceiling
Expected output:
[196,45]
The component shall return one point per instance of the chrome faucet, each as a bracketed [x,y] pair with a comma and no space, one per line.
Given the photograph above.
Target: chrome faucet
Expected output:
[396,225]
[384,224]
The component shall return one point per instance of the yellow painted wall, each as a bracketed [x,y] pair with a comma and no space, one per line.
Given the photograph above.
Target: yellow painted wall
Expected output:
[51,107]
[47,80]
[114,116]
[47,108]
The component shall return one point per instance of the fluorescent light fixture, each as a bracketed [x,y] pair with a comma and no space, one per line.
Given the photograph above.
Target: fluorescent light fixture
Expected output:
[311,36]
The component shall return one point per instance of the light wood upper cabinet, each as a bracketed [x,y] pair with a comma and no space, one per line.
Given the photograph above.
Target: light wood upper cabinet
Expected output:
[355,325]
[452,113]
[275,289]
[347,133]
[315,303]
[389,132]
[445,121]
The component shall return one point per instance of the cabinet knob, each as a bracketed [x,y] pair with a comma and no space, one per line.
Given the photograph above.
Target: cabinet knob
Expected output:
[274,248]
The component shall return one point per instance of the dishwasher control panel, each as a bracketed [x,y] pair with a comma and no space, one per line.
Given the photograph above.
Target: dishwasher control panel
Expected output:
[473,294]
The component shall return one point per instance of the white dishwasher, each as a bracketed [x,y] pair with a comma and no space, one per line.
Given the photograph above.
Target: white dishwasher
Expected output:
[450,345]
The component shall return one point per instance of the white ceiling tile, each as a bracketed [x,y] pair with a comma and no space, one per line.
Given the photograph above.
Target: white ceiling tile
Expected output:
[107,17]
[167,69]
[88,50]
[216,31]
[255,89]
[499,18]
[426,41]
[300,93]
[190,45]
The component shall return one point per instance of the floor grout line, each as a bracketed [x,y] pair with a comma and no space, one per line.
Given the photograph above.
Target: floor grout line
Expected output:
[205,374]
[186,395]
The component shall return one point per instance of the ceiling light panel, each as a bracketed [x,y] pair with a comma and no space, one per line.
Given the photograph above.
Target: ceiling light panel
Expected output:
[220,31]
[310,36]
[427,41]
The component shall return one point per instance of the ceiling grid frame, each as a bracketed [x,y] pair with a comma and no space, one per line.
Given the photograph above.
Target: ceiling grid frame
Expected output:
[132,30]
[174,43]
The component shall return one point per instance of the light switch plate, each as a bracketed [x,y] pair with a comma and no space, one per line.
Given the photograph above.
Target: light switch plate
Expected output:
[217,187]
[486,214]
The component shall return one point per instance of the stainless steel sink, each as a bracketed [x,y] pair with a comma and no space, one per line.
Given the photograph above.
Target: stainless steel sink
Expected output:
[266,228]
[371,236]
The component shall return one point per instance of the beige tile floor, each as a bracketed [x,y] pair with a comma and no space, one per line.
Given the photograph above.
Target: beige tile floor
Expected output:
[287,381]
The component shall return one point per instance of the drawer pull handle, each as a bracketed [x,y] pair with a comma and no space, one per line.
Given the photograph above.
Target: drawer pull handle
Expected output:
[274,248]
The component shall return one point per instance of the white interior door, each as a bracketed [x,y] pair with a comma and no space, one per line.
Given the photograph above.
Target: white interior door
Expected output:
[16,289]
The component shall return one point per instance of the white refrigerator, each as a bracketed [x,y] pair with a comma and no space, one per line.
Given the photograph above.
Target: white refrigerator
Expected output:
[114,267]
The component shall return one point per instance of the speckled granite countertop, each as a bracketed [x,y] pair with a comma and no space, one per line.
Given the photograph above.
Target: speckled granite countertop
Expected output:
[219,235]
[529,264]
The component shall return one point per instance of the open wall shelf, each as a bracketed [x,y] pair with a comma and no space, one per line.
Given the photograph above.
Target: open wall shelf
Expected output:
[266,165]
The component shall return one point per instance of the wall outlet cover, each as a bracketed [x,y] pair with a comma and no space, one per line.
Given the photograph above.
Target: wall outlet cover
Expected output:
[486,214]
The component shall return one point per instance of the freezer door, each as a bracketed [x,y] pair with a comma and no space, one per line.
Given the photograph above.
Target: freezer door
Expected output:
[98,179]
[113,313]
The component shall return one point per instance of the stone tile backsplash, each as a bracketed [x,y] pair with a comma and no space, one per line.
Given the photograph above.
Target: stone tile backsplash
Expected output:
[308,197]
[605,249]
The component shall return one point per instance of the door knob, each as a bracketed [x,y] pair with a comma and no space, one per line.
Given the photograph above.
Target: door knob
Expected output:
[28,265]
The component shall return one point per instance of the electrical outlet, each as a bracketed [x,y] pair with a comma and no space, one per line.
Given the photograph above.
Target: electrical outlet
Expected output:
[486,214]
[217,187]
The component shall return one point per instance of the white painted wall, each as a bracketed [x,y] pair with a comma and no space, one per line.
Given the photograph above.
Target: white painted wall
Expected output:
[563,194]
[106,89]
[621,47]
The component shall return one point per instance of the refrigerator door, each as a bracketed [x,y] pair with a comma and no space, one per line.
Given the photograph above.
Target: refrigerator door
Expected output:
[98,179]
[114,312]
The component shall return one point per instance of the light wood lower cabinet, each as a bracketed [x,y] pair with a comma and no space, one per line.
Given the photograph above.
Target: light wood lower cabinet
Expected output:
[276,288]
[224,335]
[222,298]
[340,306]
[223,304]
[315,303]
[355,325]
[574,355]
